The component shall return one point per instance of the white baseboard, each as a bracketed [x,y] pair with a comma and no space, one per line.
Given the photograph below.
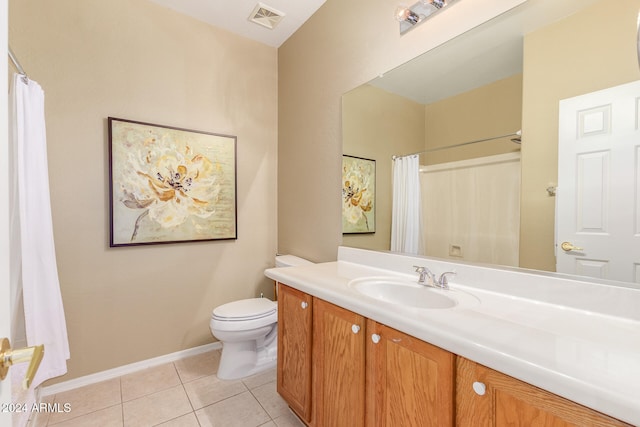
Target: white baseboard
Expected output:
[126,369]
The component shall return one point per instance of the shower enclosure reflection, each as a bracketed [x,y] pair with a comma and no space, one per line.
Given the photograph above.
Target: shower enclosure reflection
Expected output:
[467,210]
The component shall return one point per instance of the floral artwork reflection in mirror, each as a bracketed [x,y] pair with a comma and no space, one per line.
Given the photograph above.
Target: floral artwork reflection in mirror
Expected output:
[170,185]
[358,195]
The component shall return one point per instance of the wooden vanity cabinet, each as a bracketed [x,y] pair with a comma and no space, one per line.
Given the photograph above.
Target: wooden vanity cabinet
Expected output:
[485,397]
[331,373]
[339,366]
[295,318]
[336,368]
[409,382]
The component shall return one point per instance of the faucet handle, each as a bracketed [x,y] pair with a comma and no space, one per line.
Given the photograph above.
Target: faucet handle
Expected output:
[426,276]
[443,282]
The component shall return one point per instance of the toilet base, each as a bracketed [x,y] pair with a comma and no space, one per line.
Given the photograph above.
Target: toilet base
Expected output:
[241,359]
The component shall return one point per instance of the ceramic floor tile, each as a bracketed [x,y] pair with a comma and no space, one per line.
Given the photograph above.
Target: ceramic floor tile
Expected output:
[242,410]
[186,393]
[109,417]
[270,400]
[87,399]
[207,390]
[188,420]
[288,420]
[149,381]
[41,419]
[200,365]
[259,379]
[157,408]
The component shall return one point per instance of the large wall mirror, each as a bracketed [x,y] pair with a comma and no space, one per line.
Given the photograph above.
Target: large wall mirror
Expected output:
[491,201]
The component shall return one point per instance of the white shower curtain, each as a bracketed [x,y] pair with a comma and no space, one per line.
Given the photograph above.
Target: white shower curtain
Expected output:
[405,220]
[34,274]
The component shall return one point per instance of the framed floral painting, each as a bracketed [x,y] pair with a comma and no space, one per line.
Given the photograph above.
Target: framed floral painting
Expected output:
[170,185]
[358,195]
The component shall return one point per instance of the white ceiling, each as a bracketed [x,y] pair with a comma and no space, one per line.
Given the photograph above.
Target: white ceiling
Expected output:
[233,16]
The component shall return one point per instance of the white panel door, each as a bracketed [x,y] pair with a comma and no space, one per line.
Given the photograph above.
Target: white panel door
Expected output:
[598,203]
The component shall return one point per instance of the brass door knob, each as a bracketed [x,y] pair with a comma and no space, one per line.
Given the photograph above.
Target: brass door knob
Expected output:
[9,357]
[568,247]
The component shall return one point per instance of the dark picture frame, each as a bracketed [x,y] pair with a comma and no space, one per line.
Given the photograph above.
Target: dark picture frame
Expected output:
[170,185]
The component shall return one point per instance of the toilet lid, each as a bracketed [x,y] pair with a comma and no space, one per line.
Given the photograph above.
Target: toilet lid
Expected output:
[245,309]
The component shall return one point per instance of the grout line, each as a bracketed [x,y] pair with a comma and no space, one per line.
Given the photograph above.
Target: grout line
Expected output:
[185,392]
[121,404]
[66,420]
[261,405]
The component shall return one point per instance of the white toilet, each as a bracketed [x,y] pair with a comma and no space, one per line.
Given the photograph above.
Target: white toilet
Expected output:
[248,331]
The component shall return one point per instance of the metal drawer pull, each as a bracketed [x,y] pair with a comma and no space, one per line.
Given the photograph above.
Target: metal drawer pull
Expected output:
[304,304]
[375,338]
[355,329]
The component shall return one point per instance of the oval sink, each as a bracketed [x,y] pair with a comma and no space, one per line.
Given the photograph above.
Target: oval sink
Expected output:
[403,292]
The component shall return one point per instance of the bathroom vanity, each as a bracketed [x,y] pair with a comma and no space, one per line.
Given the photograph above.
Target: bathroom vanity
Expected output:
[361,343]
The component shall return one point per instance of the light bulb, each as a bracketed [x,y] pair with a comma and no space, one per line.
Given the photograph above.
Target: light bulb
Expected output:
[405,14]
[438,4]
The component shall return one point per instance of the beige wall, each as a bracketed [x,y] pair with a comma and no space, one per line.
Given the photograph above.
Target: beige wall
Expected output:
[488,111]
[135,60]
[377,125]
[566,59]
[344,44]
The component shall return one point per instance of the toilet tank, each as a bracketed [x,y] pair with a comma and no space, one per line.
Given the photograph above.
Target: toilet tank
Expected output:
[291,261]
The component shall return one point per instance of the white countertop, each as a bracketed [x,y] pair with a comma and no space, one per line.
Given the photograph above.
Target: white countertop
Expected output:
[577,339]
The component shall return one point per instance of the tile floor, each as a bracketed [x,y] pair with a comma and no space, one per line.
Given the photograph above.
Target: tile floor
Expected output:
[183,393]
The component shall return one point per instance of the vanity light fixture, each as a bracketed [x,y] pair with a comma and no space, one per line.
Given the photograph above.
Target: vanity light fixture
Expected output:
[410,16]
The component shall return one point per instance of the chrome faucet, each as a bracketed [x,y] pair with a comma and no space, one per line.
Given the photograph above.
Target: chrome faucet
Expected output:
[426,276]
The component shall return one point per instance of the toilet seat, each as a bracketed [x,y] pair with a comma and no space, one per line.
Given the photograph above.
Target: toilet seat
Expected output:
[244,315]
[245,309]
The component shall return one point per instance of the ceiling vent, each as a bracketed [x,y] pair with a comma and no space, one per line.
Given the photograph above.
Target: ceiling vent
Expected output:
[266,16]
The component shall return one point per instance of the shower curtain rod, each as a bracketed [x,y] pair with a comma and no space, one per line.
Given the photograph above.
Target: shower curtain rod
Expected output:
[15,61]
[518,133]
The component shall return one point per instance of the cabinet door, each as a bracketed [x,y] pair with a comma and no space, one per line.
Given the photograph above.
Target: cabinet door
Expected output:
[410,382]
[294,349]
[339,367]
[485,397]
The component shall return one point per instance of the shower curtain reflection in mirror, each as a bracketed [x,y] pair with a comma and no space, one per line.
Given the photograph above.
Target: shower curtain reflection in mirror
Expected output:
[406,227]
